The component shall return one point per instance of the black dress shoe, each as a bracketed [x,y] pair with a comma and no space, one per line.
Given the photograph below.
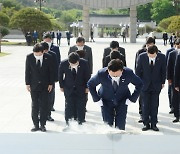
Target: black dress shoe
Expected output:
[175,120]
[140,120]
[52,109]
[49,118]
[43,129]
[35,129]
[171,111]
[146,127]
[154,127]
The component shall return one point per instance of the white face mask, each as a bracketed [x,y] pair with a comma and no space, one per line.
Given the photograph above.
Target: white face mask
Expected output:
[80,47]
[49,43]
[153,58]
[115,78]
[39,57]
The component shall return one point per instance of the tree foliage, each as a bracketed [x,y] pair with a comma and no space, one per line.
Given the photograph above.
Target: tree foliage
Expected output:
[171,24]
[4,19]
[29,19]
[144,12]
[162,9]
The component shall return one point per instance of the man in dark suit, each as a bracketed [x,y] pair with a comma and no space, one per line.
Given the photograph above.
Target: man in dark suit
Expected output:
[171,76]
[80,45]
[114,94]
[58,35]
[55,67]
[114,55]
[48,39]
[73,76]
[149,42]
[169,85]
[114,45]
[39,78]
[151,68]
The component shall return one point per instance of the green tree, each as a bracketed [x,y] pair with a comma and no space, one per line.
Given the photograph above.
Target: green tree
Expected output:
[171,24]
[30,19]
[162,9]
[4,22]
[144,12]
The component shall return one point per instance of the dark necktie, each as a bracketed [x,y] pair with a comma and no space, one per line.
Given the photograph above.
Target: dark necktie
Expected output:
[38,64]
[74,73]
[115,86]
[151,65]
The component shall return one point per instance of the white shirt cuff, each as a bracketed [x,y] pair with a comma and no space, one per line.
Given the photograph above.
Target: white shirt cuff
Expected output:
[128,102]
[100,103]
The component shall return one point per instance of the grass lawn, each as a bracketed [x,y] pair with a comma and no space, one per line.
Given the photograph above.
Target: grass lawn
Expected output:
[3,54]
[13,43]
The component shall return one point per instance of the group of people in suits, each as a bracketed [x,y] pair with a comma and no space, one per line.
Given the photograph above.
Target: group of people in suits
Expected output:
[44,67]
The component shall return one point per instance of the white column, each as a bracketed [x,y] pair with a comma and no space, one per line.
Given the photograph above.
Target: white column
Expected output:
[133,22]
[86,28]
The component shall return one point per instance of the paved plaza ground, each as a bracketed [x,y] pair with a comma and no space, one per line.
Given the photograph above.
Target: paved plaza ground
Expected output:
[15,107]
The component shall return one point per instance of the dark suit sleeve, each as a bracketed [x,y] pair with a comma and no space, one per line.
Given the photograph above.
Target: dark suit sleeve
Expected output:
[70,50]
[87,73]
[136,81]
[51,70]
[106,61]
[56,65]
[177,72]
[27,72]
[61,75]
[169,67]
[138,69]
[90,60]
[92,83]
[163,69]
[104,56]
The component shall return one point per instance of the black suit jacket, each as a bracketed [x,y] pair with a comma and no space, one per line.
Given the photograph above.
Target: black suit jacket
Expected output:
[157,76]
[57,51]
[171,64]
[108,50]
[36,78]
[67,82]
[88,55]
[177,72]
[55,65]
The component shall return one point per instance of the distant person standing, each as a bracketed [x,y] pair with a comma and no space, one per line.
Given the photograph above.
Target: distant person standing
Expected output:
[165,38]
[68,36]
[52,36]
[28,38]
[59,35]
[39,78]
[35,37]
[92,36]
[172,38]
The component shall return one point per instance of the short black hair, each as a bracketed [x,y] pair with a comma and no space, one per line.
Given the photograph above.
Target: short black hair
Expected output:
[38,47]
[73,57]
[114,44]
[115,55]
[81,53]
[152,49]
[47,35]
[150,40]
[80,39]
[45,45]
[115,65]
